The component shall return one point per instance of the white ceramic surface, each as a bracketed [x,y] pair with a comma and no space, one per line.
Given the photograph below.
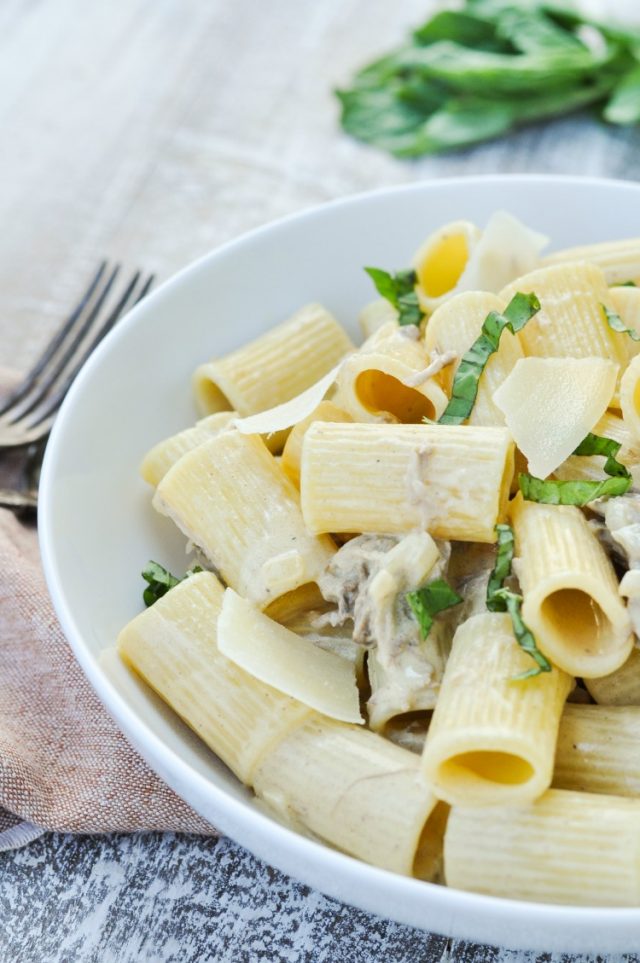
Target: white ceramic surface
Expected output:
[97,528]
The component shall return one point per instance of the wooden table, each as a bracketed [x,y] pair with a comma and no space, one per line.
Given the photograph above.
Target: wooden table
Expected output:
[151,131]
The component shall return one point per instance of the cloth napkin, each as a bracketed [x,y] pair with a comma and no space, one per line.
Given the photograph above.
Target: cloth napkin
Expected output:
[64,765]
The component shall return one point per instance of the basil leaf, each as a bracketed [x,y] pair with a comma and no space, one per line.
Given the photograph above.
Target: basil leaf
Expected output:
[500,599]
[502,568]
[624,106]
[616,323]
[399,290]
[552,492]
[427,601]
[161,581]
[464,28]
[520,309]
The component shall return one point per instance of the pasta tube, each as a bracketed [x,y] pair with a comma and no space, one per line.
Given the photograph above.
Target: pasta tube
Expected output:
[567,847]
[450,481]
[275,367]
[620,688]
[323,777]
[570,323]
[382,381]
[618,260]
[292,451]
[571,601]
[173,646]
[358,791]
[625,301]
[630,399]
[165,454]
[597,750]
[441,260]
[230,497]
[453,327]
[376,314]
[492,738]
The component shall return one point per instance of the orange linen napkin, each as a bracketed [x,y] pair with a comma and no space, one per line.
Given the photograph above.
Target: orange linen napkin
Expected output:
[64,765]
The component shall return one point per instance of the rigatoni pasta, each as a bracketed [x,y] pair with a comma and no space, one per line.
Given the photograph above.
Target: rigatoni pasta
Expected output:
[451,535]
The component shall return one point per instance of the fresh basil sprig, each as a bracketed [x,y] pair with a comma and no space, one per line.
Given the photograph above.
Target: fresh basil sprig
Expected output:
[501,599]
[569,492]
[616,323]
[521,308]
[161,581]
[399,290]
[427,601]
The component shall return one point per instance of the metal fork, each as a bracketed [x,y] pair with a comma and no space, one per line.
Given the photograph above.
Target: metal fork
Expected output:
[28,412]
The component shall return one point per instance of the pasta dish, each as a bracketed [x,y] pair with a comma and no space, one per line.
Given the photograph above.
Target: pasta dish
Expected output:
[411,623]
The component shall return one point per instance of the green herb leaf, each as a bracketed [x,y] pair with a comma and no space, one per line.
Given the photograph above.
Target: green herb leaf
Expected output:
[474,73]
[627,284]
[501,599]
[624,106]
[568,492]
[399,290]
[616,323]
[502,568]
[161,581]
[432,598]
[520,309]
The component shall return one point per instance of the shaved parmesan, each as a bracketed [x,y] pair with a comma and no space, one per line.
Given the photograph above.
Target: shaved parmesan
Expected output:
[290,412]
[286,661]
[506,250]
[551,404]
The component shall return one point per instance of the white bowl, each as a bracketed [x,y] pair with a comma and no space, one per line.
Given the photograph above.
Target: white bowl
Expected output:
[97,527]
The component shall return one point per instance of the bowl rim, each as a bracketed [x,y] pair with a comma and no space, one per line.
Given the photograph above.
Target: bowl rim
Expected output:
[458,910]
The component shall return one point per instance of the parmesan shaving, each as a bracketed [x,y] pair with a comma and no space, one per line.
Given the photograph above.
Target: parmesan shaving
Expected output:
[551,404]
[286,661]
[290,412]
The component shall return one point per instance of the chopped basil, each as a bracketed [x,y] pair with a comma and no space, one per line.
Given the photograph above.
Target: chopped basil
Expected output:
[161,581]
[399,290]
[432,598]
[616,323]
[569,492]
[501,599]
[520,309]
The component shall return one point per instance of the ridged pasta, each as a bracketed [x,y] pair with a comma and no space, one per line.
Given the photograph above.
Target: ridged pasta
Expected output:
[625,301]
[567,847]
[630,399]
[450,481]
[275,367]
[590,467]
[232,499]
[358,791]
[620,688]
[292,451]
[618,260]
[328,791]
[375,315]
[173,646]
[454,326]
[597,750]
[166,453]
[378,384]
[492,738]
[571,601]
[441,260]
[571,322]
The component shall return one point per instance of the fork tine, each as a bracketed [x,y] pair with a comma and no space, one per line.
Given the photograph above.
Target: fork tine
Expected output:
[57,398]
[18,393]
[54,370]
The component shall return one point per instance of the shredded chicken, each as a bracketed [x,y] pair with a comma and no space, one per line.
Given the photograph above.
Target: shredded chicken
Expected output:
[622,531]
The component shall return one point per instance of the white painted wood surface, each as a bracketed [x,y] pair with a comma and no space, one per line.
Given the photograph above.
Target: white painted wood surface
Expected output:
[151,131]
